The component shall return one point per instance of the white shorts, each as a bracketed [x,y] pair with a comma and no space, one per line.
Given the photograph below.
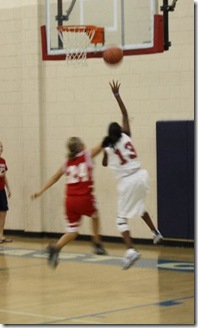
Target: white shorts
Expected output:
[132,191]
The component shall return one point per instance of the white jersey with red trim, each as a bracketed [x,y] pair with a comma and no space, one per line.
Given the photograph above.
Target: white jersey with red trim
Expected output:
[122,158]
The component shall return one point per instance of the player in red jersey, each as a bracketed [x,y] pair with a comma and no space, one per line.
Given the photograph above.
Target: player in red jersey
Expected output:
[4,186]
[80,199]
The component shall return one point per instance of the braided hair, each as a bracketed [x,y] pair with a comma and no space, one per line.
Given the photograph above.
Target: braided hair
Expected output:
[114,132]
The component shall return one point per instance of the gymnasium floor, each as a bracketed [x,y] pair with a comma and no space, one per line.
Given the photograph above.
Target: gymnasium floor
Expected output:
[86,289]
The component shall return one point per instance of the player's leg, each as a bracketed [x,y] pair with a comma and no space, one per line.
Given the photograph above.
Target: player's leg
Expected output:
[3,213]
[127,239]
[3,239]
[128,206]
[131,254]
[96,238]
[143,187]
[66,239]
[54,249]
[2,224]
[89,208]
[157,237]
[73,223]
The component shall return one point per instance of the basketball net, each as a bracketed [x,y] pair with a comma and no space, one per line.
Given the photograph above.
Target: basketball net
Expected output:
[76,40]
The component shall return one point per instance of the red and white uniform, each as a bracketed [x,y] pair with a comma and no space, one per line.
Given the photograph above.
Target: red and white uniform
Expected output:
[3,167]
[80,199]
[132,180]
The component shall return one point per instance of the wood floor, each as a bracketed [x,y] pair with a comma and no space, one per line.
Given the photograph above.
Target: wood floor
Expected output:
[86,289]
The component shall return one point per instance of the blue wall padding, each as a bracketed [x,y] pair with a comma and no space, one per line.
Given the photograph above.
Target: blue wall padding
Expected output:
[175,178]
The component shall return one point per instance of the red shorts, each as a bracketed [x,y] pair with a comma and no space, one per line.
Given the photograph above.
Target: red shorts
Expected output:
[76,206]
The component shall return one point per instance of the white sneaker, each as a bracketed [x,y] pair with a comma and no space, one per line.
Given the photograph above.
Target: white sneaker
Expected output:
[157,238]
[130,258]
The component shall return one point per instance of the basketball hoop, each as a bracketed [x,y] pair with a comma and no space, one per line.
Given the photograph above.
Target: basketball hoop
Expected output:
[76,40]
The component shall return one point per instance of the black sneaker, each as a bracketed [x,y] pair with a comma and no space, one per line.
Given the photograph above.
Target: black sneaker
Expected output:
[52,256]
[99,249]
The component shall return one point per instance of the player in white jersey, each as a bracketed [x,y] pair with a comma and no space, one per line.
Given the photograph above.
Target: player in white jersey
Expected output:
[120,155]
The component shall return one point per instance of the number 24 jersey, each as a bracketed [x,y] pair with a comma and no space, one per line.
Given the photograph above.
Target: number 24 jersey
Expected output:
[79,173]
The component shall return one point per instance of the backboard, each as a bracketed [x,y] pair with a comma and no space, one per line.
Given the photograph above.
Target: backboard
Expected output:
[134,25]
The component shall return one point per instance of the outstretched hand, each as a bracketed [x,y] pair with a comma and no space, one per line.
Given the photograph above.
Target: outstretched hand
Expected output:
[35,195]
[115,86]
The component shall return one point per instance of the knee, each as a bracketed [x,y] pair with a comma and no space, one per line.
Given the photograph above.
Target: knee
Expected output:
[122,225]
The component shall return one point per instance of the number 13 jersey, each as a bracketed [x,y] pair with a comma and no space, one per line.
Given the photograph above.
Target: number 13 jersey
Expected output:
[122,158]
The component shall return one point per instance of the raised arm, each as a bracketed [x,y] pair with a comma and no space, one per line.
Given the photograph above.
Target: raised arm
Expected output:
[115,86]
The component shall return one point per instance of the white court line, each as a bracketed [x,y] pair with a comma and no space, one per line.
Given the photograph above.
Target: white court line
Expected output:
[31,314]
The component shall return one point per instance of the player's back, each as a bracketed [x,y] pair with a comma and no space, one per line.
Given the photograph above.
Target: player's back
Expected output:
[122,157]
[79,174]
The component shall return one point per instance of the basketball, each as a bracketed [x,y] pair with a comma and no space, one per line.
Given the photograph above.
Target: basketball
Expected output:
[113,55]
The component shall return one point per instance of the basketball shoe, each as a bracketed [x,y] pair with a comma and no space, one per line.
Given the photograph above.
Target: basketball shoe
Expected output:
[99,249]
[52,256]
[131,257]
[157,237]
